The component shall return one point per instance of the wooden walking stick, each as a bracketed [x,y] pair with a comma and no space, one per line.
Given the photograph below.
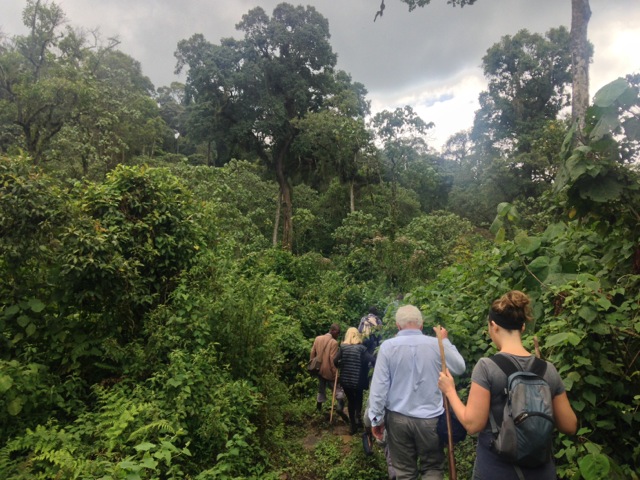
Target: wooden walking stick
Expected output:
[333,396]
[452,460]
[537,347]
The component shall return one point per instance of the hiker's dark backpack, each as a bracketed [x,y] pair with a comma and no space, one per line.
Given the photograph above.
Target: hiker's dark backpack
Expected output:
[367,324]
[525,436]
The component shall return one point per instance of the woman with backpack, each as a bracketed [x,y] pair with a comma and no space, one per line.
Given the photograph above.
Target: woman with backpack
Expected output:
[353,360]
[497,457]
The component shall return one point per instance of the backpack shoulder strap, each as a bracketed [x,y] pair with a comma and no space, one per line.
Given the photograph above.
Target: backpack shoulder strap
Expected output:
[539,366]
[506,365]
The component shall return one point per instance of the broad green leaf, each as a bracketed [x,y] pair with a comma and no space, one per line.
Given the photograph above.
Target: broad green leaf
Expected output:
[23,320]
[513,215]
[606,125]
[15,406]
[174,382]
[575,166]
[31,329]
[604,303]
[12,310]
[606,424]
[36,305]
[554,230]
[503,208]
[578,405]
[540,268]
[561,339]
[588,313]
[539,263]
[144,446]
[603,190]
[592,448]
[594,467]
[527,245]
[607,95]
[129,465]
[496,225]
[593,380]
[560,278]
[590,397]
[6,382]
[148,462]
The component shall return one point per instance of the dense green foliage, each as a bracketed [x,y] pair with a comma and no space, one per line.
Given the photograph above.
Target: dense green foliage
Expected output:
[150,328]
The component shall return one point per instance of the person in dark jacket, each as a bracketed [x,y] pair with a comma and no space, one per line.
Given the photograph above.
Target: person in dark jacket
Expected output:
[353,360]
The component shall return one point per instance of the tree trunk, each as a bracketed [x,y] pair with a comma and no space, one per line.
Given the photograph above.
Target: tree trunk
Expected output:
[276,222]
[287,207]
[580,15]
[352,197]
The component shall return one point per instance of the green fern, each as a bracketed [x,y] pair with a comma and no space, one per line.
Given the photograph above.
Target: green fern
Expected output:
[162,426]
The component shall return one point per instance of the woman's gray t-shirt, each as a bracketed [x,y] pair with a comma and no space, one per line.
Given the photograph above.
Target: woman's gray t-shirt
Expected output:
[488,375]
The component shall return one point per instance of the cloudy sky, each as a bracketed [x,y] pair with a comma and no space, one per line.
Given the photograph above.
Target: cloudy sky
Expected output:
[429,58]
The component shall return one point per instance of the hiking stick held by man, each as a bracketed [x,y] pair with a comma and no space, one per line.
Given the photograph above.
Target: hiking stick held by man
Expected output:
[403,400]
[452,460]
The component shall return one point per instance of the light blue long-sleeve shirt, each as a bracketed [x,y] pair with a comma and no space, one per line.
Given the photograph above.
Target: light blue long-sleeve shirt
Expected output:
[405,379]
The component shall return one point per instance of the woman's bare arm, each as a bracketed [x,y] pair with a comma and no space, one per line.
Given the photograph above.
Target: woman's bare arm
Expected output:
[475,414]
[563,414]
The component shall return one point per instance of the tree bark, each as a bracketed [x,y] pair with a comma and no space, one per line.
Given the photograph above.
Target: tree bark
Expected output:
[287,207]
[580,15]
[352,199]
[276,222]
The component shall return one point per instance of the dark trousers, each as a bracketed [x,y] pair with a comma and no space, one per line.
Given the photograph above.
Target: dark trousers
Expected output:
[354,406]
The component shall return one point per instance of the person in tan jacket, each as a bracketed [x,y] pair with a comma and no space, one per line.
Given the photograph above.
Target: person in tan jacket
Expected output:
[326,346]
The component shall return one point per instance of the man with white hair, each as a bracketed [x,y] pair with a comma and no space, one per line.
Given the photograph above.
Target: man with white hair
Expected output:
[404,397]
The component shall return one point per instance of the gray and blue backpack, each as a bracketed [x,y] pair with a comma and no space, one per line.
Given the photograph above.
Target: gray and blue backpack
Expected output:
[525,436]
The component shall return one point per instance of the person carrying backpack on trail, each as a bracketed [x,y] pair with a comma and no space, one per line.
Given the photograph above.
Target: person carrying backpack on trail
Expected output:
[526,454]
[367,328]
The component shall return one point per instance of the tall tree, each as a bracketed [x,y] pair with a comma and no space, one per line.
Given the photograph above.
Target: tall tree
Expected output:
[255,89]
[35,94]
[401,134]
[55,80]
[528,77]
[580,58]
[334,141]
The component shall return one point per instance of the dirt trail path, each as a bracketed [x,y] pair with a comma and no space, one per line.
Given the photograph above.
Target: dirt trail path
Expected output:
[320,427]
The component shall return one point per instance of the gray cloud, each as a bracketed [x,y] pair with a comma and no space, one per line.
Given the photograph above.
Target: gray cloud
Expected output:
[430,56]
